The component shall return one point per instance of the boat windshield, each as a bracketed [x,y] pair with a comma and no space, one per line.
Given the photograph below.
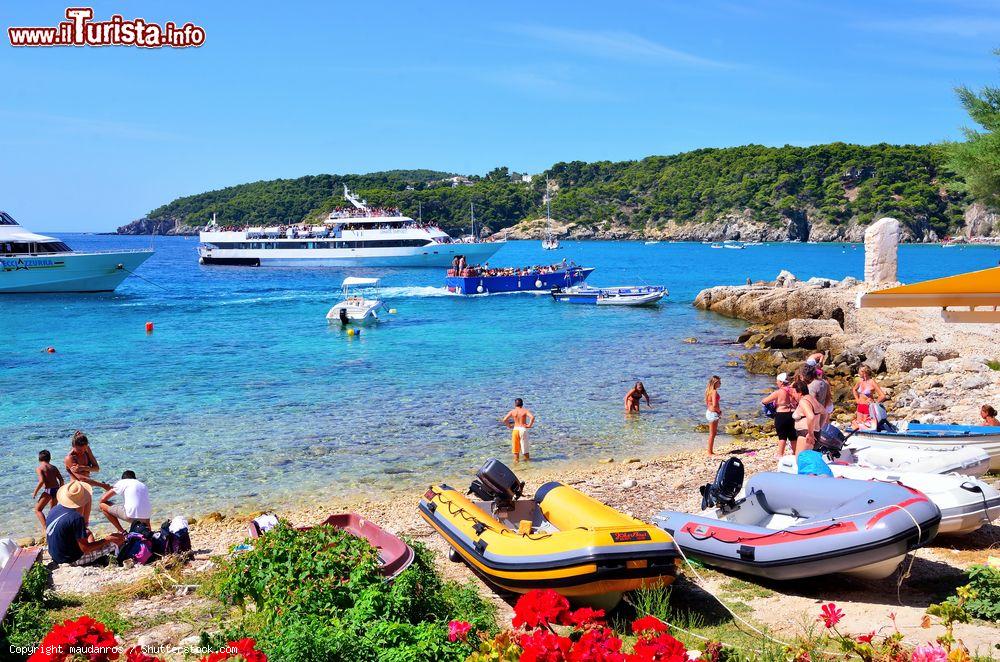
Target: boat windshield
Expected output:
[25,248]
[5,219]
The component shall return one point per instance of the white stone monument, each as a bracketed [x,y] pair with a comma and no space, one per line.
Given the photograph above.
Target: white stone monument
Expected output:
[881,244]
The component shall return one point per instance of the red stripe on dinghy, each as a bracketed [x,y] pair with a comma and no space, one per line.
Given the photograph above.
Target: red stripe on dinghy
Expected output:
[776,538]
[893,508]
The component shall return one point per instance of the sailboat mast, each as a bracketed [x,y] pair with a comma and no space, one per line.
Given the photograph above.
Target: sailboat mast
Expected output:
[472,209]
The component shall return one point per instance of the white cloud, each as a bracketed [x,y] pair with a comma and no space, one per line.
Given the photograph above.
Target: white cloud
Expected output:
[614,44]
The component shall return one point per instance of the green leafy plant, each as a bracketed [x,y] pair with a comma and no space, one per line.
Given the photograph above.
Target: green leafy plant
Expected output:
[979,598]
[27,619]
[318,595]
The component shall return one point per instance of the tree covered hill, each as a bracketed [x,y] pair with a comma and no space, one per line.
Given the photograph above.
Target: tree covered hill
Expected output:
[831,185]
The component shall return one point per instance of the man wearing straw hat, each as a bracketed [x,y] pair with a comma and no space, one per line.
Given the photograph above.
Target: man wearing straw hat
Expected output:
[66,532]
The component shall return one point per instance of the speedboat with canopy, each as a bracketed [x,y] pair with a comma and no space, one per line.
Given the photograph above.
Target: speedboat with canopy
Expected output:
[362,302]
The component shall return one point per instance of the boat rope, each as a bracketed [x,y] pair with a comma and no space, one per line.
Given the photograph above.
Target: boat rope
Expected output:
[455,509]
[132,273]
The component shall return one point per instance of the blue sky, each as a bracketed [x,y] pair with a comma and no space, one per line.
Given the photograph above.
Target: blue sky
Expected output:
[93,138]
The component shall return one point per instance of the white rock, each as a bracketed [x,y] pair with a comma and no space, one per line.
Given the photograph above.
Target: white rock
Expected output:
[785,279]
[629,483]
[881,245]
[975,381]
[850,281]
[928,360]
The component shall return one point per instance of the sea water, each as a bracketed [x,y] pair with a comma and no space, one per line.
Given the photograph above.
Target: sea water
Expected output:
[244,395]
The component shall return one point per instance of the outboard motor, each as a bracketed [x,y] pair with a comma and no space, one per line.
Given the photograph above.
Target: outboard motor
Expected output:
[721,493]
[831,441]
[344,320]
[497,483]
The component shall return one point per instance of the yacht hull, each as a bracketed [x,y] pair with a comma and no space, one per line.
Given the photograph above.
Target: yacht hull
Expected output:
[440,255]
[68,273]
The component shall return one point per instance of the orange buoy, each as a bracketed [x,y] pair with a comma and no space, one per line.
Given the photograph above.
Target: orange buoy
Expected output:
[50,350]
[149,327]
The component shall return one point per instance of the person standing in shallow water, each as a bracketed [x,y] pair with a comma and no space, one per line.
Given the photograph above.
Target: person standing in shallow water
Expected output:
[634,398]
[519,420]
[713,410]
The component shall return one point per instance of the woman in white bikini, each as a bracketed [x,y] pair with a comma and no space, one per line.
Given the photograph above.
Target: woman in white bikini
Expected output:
[712,410]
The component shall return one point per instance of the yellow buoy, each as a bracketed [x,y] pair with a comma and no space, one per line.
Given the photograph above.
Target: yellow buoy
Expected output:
[350,332]
[392,311]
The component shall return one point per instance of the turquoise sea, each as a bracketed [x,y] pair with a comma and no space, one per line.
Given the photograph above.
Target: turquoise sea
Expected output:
[243,395]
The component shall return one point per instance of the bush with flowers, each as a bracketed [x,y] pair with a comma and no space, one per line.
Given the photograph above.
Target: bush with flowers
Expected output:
[545,629]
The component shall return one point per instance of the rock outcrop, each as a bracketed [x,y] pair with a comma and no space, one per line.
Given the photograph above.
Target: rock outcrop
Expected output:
[980,221]
[881,248]
[770,304]
[159,227]
[807,332]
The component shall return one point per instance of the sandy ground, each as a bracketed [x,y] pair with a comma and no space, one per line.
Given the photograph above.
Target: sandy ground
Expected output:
[670,481]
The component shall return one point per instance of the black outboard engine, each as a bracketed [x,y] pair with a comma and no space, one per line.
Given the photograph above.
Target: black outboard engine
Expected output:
[497,483]
[344,320]
[831,441]
[721,493]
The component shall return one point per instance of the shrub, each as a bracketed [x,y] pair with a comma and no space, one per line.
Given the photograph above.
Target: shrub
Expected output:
[318,595]
[27,621]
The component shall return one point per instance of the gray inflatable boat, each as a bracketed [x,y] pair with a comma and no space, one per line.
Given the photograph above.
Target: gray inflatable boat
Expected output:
[788,526]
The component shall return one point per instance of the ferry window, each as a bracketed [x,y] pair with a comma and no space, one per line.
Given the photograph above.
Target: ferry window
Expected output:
[5,219]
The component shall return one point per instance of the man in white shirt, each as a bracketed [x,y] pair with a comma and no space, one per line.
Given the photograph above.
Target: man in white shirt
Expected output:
[135,506]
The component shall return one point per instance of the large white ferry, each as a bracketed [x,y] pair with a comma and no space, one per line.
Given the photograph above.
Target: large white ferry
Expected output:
[32,263]
[359,235]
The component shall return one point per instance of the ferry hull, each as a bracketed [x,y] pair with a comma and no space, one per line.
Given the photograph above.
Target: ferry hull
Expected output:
[68,273]
[526,283]
[440,255]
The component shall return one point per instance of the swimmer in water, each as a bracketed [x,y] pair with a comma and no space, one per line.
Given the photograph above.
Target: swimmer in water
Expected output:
[634,398]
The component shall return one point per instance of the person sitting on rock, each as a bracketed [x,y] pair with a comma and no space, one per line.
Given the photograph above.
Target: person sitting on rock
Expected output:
[135,506]
[989,416]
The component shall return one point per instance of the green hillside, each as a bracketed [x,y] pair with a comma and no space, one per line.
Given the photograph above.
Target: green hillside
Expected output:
[834,184]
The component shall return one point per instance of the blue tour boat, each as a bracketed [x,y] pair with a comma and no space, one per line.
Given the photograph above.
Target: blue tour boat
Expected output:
[474,282]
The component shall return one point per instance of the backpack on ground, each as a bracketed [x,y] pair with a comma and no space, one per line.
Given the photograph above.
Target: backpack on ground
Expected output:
[136,548]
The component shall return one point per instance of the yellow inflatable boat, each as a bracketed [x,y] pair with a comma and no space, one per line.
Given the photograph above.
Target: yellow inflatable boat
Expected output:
[561,539]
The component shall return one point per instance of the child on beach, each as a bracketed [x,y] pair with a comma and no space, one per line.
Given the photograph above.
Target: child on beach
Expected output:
[49,482]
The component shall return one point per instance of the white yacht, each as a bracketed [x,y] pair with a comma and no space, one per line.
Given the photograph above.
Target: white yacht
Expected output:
[32,263]
[359,235]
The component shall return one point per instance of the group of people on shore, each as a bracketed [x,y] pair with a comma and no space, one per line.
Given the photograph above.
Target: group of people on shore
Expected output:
[66,526]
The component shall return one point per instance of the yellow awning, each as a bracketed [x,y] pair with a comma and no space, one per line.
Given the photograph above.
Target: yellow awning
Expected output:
[971,290]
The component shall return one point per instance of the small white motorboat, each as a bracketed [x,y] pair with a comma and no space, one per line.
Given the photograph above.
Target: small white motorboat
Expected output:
[362,302]
[966,503]
[652,243]
[964,460]
[938,437]
[550,243]
[631,295]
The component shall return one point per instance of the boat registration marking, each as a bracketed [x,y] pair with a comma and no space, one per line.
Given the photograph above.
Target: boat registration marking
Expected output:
[631,536]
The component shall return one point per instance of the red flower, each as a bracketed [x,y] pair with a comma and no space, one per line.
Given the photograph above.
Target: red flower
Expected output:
[136,654]
[539,608]
[867,638]
[597,645]
[661,648]
[583,617]
[84,632]
[458,630]
[830,614]
[544,646]
[244,649]
[649,624]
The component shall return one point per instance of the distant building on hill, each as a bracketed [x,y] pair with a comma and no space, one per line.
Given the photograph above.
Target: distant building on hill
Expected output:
[459,180]
[522,178]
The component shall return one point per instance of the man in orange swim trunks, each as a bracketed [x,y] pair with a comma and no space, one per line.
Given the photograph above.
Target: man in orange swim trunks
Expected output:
[519,420]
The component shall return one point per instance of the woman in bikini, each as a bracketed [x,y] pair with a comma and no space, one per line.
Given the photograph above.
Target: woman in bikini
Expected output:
[713,410]
[785,399]
[808,416]
[989,416]
[81,463]
[866,391]
[634,398]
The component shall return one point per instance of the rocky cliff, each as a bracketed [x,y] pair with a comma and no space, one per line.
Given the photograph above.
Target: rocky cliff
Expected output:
[158,227]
